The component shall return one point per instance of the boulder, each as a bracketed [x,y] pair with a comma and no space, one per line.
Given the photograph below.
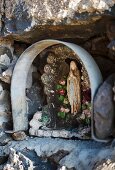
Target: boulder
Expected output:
[106,164]
[69,154]
[5,57]
[31,21]
[104,109]
[18,161]
[27,160]
[4,138]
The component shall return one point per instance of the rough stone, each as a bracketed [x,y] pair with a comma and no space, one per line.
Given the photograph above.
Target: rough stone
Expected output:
[5,114]
[4,100]
[7,75]
[7,60]
[17,161]
[40,163]
[1,12]
[22,19]
[4,138]
[111,36]
[36,11]
[59,155]
[3,159]
[65,168]
[90,151]
[106,164]
[114,91]
[106,66]
[19,136]
[27,159]
[36,99]
[112,54]
[61,8]
[111,30]
[19,48]
[5,57]
[104,109]
[97,45]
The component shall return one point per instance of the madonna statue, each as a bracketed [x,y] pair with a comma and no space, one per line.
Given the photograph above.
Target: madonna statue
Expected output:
[73,88]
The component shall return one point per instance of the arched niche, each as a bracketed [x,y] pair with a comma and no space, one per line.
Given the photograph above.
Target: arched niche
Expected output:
[18,83]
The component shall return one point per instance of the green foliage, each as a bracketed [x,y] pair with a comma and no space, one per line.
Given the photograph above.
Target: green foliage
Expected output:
[58,87]
[61,98]
[45,118]
[61,115]
[65,87]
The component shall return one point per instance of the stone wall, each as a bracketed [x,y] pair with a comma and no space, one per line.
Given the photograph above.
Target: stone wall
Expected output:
[88,23]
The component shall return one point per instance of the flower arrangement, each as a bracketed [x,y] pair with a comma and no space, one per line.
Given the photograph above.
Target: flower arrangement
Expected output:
[61,91]
[86,106]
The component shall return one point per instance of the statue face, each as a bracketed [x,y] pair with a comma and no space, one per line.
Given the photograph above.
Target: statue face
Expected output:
[73,65]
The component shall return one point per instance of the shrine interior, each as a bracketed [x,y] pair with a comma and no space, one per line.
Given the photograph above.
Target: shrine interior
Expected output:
[53,80]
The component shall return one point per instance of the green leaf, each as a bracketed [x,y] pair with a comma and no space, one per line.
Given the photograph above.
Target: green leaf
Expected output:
[61,114]
[58,86]
[61,98]
[65,87]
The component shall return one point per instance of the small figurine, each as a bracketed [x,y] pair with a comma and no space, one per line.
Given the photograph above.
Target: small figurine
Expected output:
[73,88]
[35,123]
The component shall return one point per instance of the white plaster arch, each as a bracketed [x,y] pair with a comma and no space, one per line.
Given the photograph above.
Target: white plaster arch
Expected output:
[18,83]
